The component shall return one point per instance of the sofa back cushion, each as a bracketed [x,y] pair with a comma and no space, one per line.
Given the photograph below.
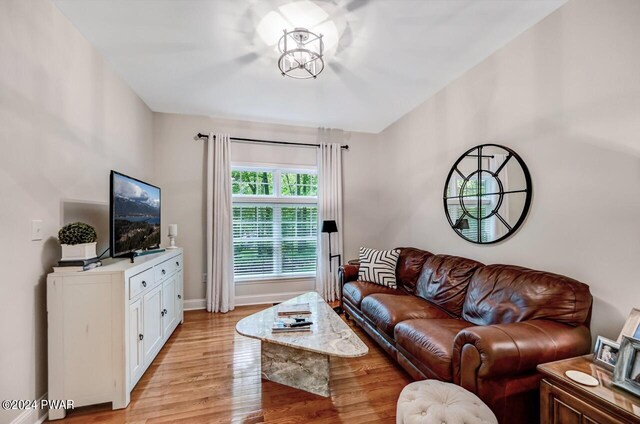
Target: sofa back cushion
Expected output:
[444,280]
[409,266]
[503,294]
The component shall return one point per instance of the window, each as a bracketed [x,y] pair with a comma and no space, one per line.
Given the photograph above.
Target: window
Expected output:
[252,183]
[298,184]
[456,210]
[275,222]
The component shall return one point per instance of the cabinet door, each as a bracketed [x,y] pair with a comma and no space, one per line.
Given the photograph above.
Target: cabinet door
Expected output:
[558,406]
[169,312]
[136,336]
[180,297]
[152,324]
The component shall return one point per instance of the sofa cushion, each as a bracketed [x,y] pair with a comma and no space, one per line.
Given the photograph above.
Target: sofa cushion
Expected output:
[409,266]
[355,291]
[378,266]
[430,343]
[444,281]
[384,311]
[503,294]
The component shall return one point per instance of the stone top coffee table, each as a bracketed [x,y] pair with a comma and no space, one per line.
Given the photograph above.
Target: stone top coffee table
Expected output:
[301,359]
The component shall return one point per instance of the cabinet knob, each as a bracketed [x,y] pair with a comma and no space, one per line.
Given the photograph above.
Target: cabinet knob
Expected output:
[177,263]
[179,296]
[164,272]
[162,313]
[140,336]
[144,284]
[165,312]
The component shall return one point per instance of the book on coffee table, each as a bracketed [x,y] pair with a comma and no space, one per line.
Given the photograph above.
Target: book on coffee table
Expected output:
[285,310]
[285,326]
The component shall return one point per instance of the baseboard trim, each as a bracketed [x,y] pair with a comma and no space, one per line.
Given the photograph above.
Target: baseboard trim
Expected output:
[253,299]
[261,299]
[195,304]
[32,416]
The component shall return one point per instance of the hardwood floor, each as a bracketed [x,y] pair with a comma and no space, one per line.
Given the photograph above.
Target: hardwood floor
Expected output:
[207,373]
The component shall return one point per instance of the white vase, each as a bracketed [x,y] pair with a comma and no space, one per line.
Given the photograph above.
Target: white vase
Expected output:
[76,252]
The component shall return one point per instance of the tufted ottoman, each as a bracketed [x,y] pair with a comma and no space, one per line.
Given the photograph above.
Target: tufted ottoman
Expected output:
[436,402]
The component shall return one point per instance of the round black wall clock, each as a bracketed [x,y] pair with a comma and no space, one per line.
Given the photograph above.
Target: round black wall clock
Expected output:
[487,194]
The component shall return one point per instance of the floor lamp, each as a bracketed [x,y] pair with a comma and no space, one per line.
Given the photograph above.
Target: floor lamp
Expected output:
[331,227]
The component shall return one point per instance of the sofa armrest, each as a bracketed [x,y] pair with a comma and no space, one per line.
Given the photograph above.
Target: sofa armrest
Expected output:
[348,273]
[488,352]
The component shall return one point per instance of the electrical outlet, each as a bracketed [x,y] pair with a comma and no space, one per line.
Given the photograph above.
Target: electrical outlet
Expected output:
[204,277]
[36,229]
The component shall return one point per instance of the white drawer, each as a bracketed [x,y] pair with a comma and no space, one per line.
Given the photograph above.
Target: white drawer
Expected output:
[177,262]
[140,282]
[168,267]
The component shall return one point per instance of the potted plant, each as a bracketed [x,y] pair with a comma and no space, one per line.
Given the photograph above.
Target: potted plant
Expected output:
[78,241]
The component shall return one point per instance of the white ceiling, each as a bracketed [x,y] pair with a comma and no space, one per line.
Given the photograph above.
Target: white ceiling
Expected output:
[205,57]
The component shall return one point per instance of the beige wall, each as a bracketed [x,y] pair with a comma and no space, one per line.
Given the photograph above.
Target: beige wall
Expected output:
[180,169]
[566,96]
[65,120]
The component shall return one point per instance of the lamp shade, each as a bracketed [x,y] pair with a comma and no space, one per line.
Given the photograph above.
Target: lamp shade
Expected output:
[173,230]
[462,224]
[329,227]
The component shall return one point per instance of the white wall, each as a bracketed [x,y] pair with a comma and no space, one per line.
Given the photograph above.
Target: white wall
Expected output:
[180,169]
[65,120]
[566,96]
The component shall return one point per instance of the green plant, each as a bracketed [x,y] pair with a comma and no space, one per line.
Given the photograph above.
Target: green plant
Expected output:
[77,233]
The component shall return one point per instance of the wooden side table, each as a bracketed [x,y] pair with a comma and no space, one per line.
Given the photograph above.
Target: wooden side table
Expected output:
[563,401]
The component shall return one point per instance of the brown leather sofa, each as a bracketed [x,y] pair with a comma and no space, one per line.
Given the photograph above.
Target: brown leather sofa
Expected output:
[483,327]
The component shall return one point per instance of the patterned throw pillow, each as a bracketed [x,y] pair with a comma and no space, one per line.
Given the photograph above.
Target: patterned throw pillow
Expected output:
[378,266]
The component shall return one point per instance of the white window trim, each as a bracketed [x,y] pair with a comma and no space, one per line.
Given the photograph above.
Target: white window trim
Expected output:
[271,278]
[275,198]
[267,166]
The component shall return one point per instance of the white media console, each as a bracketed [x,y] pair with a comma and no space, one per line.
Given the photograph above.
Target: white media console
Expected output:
[107,325]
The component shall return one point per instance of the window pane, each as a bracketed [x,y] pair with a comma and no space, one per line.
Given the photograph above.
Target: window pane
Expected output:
[271,240]
[252,183]
[299,236]
[298,256]
[253,247]
[298,184]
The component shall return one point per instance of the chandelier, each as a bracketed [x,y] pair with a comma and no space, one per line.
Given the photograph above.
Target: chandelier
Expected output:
[301,54]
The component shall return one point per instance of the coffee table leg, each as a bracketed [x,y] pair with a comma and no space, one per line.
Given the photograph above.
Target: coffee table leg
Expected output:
[301,369]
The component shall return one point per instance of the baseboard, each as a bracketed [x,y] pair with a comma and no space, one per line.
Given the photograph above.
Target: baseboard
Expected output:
[254,299]
[195,304]
[32,416]
[261,299]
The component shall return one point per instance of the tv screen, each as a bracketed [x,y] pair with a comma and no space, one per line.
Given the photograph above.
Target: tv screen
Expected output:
[135,215]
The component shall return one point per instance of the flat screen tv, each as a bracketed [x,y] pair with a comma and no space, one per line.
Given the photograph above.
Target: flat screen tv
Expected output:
[135,215]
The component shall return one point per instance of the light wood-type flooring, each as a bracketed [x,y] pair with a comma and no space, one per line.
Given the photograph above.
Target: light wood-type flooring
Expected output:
[207,373]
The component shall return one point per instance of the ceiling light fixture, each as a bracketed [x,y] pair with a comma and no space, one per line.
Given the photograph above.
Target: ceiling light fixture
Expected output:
[302,54]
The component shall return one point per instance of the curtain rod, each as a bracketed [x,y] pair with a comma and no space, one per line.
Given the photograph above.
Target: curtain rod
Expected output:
[201,136]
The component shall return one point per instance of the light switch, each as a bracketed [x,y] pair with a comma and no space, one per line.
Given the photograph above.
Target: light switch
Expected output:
[36,229]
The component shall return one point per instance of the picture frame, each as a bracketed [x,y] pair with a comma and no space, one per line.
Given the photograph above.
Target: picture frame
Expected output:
[627,371]
[631,326]
[606,353]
